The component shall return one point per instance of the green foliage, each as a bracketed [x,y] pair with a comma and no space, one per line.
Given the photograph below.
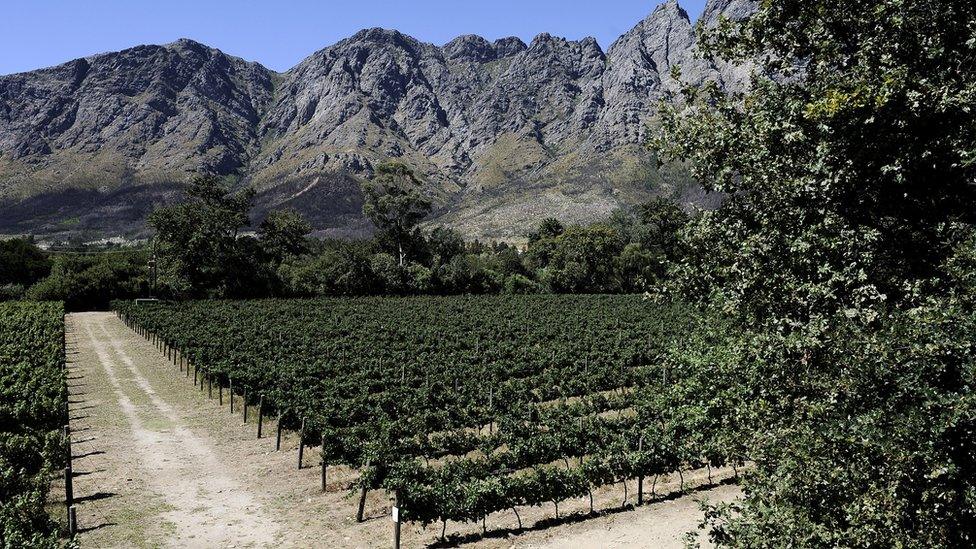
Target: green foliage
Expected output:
[840,256]
[395,205]
[200,252]
[283,234]
[33,402]
[21,263]
[91,282]
[334,268]
[394,383]
[583,260]
[550,227]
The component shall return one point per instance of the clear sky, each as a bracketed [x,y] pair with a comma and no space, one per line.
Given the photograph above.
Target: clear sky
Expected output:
[279,34]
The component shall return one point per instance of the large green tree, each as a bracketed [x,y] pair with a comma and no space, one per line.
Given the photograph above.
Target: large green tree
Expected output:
[393,201]
[848,169]
[283,234]
[197,241]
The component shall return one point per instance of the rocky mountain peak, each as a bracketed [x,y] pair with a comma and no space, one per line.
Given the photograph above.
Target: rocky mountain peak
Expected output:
[502,131]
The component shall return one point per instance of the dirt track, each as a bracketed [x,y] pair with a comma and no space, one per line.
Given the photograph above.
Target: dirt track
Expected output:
[159,464]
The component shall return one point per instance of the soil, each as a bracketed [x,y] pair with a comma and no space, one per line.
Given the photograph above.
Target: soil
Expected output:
[158,463]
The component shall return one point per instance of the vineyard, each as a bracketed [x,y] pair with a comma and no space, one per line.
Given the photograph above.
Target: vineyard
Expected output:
[33,406]
[461,406]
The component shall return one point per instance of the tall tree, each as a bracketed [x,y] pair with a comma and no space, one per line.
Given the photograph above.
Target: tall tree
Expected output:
[844,164]
[395,205]
[849,171]
[283,234]
[197,239]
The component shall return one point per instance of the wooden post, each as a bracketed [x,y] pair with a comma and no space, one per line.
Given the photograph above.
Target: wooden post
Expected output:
[231,391]
[301,444]
[194,374]
[278,440]
[362,503]
[396,519]
[244,398]
[220,393]
[260,415]
[72,521]
[69,491]
[210,386]
[640,478]
[491,415]
[324,464]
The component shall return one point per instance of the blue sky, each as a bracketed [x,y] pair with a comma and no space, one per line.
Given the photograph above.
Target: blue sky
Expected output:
[41,33]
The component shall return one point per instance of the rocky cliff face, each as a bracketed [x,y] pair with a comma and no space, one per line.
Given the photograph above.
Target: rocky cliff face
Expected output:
[504,132]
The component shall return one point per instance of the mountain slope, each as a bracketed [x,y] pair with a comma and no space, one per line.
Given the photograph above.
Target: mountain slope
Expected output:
[504,132]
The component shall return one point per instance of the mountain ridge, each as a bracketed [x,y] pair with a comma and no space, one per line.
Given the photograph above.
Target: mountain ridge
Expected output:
[502,131]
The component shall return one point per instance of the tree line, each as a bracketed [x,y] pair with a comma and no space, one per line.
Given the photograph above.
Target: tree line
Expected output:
[204,247]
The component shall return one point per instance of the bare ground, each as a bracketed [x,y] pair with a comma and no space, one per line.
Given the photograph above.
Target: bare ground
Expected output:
[159,464]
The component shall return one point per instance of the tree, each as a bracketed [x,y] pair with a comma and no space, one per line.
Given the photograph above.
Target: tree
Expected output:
[22,263]
[583,260]
[444,244]
[283,234]
[395,205]
[549,228]
[848,169]
[844,162]
[91,281]
[197,239]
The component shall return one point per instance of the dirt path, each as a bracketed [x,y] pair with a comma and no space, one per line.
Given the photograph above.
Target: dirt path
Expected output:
[160,464]
[198,501]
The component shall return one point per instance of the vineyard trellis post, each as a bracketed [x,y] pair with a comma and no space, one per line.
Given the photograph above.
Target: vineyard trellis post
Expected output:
[362,496]
[301,444]
[640,477]
[281,419]
[396,519]
[69,492]
[325,465]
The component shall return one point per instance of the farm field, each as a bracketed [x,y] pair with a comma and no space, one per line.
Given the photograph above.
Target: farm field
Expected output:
[513,410]
[169,467]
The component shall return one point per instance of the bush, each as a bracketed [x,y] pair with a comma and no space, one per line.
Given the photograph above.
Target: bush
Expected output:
[91,282]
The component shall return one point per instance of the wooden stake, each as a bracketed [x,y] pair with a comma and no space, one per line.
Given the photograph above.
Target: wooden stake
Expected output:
[640,478]
[278,439]
[231,391]
[301,444]
[244,398]
[325,465]
[69,491]
[260,415]
[362,504]
[396,519]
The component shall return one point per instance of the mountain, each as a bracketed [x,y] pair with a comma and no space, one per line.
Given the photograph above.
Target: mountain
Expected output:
[503,132]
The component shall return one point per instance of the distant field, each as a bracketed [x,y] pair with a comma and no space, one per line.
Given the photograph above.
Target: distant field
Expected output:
[466,405]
